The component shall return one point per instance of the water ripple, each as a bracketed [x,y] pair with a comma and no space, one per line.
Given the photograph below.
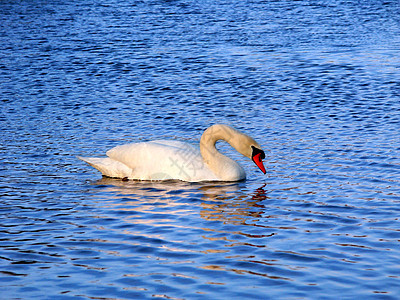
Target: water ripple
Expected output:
[315,83]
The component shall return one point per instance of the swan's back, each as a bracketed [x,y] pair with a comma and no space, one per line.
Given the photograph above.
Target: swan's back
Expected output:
[161,160]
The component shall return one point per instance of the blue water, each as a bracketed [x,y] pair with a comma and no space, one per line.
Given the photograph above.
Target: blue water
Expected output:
[317,83]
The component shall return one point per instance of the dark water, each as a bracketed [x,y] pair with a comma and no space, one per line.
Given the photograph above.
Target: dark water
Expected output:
[317,83]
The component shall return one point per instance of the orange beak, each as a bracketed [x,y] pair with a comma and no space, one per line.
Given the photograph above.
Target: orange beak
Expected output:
[258,161]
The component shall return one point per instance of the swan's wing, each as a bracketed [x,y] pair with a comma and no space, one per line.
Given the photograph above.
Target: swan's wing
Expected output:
[156,159]
[174,144]
[134,155]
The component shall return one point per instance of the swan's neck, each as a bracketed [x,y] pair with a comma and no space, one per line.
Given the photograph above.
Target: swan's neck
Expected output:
[223,167]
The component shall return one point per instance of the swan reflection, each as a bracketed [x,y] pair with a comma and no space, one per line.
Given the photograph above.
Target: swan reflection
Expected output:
[187,220]
[165,190]
[224,201]
[234,208]
[229,203]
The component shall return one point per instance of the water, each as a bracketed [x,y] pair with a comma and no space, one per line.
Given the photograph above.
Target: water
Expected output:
[315,82]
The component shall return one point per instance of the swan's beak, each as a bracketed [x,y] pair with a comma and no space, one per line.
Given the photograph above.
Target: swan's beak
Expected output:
[258,161]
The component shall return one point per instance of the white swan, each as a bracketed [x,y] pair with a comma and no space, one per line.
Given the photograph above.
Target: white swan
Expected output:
[163,160]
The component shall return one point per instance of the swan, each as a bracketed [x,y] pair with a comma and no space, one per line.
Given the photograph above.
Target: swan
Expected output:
[166,159]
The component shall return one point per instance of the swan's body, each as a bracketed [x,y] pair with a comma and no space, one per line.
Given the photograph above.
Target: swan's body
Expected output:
[162,160]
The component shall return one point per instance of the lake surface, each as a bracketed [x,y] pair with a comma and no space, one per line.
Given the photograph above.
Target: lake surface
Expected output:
[317,83]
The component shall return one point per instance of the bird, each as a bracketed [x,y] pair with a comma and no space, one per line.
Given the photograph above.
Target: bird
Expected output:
[176,160]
